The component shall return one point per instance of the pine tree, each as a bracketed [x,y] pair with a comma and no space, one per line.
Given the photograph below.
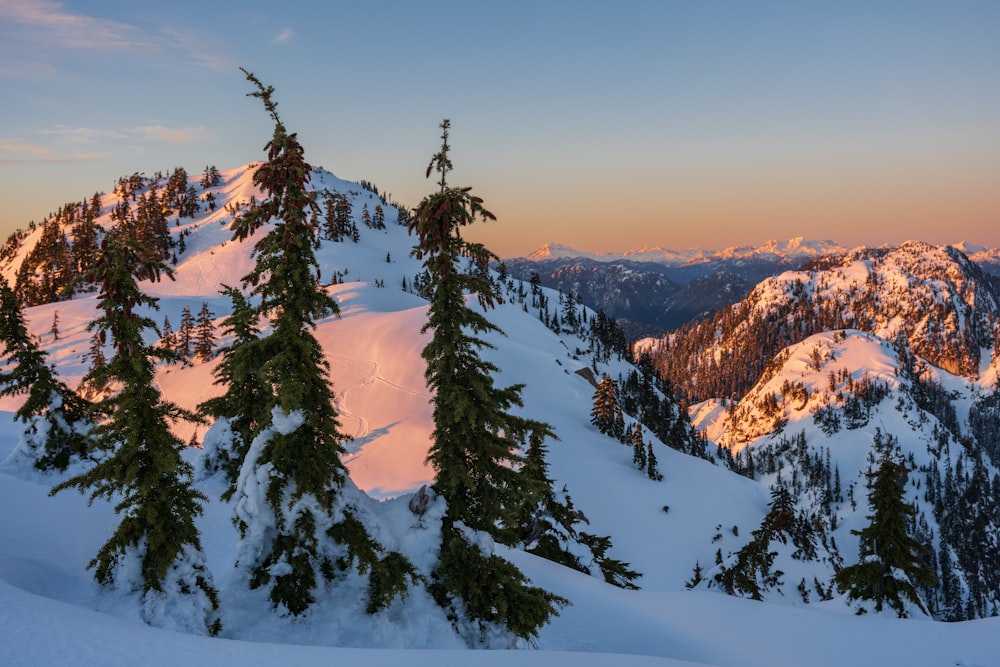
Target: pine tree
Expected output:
[549,522]
[144,470]
[751,575]
[247,401]
[185,336]
[697,576]
[292,471]
[204,333]
[635,439]
[604,413]
[891,562]
[476,437]
[167,335]
[57,422]
[652,466]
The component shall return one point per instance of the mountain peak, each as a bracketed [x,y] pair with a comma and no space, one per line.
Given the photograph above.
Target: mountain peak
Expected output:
[553,251]
[793,249]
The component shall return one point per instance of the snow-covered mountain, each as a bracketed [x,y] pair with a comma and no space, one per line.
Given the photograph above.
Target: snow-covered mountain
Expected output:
[52,612]
[945,306]
[818,370]
[795,250]
[656,288]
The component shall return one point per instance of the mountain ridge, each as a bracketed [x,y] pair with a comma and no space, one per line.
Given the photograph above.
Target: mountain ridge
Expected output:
[772,250]
[665,529]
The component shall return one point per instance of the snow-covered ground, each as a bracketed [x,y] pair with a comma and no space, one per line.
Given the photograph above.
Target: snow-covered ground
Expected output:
[53,613]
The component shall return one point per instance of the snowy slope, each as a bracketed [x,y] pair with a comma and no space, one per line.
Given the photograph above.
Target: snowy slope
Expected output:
[51,611]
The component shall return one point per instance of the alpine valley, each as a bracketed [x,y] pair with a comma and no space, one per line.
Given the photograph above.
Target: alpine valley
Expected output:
[734,473]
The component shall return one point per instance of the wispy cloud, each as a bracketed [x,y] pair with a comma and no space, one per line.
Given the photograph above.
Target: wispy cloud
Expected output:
[44,29]
[285,35]
[19,146]
[82,135]
[199,48]
[54,24]
[6,162]
[62,143]
[143,133]
[170,135]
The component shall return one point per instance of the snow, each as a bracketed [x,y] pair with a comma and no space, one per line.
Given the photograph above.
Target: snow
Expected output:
[53,613]
[792,249]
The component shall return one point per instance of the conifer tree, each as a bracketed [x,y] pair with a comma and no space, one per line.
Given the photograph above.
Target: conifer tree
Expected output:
[167,334]
[185,336]
[247,400]
[204,333]
[56,419]
[292,471]
[652,465]
[476,437]
[606,409]
[635,439]
[549,522]
[697,576]
[156,547]
[891,562]
[752,574]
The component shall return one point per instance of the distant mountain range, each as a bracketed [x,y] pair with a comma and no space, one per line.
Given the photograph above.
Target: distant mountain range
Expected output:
[651,289]
[772,251]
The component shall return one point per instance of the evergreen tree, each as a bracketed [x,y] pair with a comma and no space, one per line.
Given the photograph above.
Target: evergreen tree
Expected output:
[167,334]
[210,178]
[247,401]
[204,333]
[156,547]
[185,337]
[639,457]
[56,420]
[752,574]
[85,236]
[549,521]
[296,524]
[652,466]
[891,562]
[697,576]
[606,410]
[476,437]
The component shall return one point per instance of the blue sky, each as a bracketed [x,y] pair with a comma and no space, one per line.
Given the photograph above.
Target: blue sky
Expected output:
[604,126]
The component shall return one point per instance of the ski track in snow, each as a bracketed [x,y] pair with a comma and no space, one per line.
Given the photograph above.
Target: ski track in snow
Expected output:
[372,371]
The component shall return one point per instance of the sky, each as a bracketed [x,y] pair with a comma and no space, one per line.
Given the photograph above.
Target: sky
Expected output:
[602,126]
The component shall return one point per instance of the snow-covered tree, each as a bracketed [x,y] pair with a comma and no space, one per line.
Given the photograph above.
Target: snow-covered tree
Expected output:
[57,421]
[476,436]
[156,549]
[891,562]
[549,522]
[752,573]
[293,504]
[247,400]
